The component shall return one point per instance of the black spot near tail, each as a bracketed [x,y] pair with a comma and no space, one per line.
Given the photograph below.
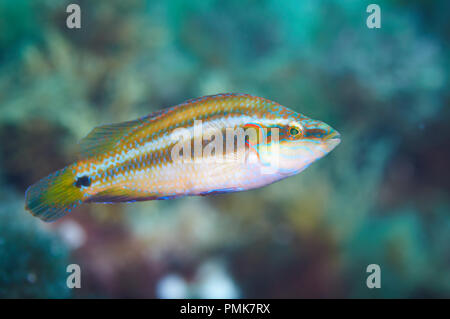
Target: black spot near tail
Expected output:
[83,181]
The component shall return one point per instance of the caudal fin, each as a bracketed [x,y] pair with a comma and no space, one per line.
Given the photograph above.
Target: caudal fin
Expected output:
[53,196]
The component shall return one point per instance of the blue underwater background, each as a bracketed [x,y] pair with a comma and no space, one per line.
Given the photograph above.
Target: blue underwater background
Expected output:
[381,197]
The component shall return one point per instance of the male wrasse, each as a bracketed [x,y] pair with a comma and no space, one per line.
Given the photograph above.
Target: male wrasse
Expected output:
[152,157]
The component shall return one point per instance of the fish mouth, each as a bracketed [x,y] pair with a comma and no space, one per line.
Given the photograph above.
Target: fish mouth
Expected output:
[333,139]
[334,136]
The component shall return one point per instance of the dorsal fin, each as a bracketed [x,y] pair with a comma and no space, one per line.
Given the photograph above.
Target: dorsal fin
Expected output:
[106,137]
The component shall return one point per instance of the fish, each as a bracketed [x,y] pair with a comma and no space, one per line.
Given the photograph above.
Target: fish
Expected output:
[221,143]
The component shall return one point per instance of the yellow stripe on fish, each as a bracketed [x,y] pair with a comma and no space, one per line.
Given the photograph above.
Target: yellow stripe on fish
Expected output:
[213,144]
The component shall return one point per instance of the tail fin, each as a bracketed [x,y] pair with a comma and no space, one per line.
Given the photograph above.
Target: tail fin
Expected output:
[53,196]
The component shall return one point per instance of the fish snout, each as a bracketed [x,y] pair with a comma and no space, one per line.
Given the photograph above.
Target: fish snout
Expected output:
[333,139]
[334,135]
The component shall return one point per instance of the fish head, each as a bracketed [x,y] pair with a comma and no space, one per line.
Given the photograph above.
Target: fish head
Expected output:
[301,141]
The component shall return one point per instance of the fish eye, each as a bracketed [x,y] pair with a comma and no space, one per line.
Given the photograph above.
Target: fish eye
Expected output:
[83,181]
[293,131]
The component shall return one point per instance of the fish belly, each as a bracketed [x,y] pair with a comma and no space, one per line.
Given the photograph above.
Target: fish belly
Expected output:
[183,179]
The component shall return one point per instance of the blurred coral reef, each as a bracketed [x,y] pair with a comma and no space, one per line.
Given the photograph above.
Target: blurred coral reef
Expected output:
[381,197]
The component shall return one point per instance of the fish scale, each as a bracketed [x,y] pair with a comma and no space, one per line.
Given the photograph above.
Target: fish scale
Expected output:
[185,113]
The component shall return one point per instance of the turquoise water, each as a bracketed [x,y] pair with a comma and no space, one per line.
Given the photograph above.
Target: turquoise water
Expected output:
[380,198]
